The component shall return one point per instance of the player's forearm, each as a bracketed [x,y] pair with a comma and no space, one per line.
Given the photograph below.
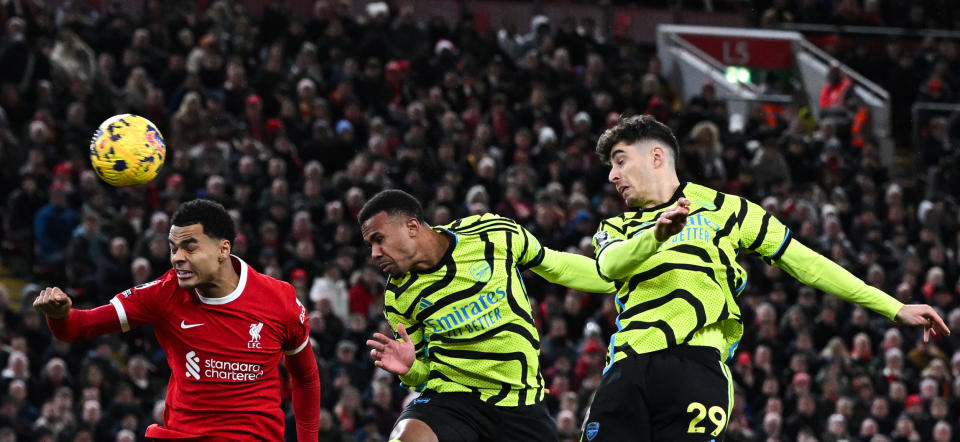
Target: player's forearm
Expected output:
[622,258]
[306,393]
[418,373]
[815,270]
[85,324]
[574,271]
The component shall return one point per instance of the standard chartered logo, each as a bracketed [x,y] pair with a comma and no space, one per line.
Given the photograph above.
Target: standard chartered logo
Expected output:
[222,370]
[193,365]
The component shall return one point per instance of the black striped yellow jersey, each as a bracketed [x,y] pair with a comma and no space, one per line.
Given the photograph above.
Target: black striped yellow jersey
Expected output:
[686,292]
[469,317]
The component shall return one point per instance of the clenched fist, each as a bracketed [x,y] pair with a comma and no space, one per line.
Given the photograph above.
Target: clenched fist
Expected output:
[53,302]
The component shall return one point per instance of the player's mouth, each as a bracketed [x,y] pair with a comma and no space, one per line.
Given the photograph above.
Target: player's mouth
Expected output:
[184,274]
[622,189]
[385,266]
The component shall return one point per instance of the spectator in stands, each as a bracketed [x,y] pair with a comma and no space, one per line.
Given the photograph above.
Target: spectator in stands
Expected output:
[53,226]
[835,93]
[84,251]
[113,270]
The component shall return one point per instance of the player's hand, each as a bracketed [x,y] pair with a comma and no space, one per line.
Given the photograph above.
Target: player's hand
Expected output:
[925,316]
[672,221]
[392,355]
[53,302]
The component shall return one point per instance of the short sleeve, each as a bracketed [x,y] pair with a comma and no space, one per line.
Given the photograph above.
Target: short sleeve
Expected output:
[295,322]
[527,248]
[606,234]
[142,304]
[761,232]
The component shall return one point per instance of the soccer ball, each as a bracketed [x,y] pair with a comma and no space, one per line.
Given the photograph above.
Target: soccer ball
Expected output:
[127,150]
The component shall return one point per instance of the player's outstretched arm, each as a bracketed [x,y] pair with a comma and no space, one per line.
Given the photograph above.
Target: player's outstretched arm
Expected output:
[571,270]
[305,380]
[621,259]
[70,325]
[817,271]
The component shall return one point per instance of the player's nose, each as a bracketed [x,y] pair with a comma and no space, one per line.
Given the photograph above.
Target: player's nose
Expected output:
[177,256]
[613,176]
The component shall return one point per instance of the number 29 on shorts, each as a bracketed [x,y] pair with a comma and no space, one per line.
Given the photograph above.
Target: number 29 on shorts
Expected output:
[717,415]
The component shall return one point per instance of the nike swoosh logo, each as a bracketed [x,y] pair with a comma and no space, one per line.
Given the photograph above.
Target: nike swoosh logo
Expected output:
[184,325]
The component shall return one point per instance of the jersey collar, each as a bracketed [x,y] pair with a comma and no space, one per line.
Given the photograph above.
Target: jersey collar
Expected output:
[673,199]
[447,256]
[235,293]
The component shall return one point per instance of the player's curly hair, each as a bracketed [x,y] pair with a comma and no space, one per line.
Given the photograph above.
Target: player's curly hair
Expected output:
[211,215]
[394,202]
[633,129]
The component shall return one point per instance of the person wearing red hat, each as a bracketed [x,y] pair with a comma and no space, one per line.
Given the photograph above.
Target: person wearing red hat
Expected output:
[301,283]
[397,73]
[254,117]
[298,274]
[589,362]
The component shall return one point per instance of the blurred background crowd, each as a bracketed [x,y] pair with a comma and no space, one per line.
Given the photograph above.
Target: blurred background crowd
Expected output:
[292,122]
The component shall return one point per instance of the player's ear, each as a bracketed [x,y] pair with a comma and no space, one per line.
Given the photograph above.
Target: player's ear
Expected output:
[658,155]
[225,248]
[413,227]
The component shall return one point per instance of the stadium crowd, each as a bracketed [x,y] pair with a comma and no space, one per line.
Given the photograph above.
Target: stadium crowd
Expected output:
[293,122]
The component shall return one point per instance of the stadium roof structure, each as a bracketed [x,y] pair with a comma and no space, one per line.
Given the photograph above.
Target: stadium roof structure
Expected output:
[693,56]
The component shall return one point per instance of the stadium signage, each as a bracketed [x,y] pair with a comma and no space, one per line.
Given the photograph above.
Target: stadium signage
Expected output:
[762,53]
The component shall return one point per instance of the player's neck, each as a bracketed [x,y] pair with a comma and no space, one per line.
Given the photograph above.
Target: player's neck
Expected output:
[224,284]
[663,191]
[435,245]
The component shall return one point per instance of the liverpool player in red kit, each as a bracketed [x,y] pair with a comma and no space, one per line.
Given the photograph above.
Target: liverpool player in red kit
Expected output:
[223,327]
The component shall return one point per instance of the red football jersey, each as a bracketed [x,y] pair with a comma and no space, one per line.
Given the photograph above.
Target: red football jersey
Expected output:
[223,352]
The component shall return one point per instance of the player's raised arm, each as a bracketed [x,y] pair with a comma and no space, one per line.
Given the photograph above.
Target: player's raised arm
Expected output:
[567,269]
[816,270]
[619,258]
[70,325]
[768,237]
[571,270]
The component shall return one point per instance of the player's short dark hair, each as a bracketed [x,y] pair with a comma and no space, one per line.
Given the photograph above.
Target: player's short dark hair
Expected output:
[211,215]
[633,129]
[393,202]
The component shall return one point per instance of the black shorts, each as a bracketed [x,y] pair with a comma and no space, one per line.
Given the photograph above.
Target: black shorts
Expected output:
[461,417]
[679,394]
